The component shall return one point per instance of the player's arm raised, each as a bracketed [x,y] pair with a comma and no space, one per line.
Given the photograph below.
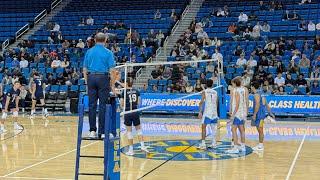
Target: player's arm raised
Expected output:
[257,106]
[203,98]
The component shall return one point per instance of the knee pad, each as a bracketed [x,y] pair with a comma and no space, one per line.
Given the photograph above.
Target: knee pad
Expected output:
[129,135]
[15,114]
[139,132]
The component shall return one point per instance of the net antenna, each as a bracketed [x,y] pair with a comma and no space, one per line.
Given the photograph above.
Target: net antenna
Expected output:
[127,65]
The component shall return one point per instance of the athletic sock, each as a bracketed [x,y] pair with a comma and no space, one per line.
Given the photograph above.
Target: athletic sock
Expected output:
[131,148]
[260,144]
[32,112]
[1,126]
[203,142]
[142,144]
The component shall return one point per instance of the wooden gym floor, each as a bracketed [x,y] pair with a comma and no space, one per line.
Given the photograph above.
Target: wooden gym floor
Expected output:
[45,149]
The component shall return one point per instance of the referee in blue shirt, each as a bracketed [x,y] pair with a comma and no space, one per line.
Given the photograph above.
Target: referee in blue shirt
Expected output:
[97,67]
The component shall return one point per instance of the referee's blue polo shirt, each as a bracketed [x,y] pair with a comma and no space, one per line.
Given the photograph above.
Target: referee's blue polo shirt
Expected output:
[99,59]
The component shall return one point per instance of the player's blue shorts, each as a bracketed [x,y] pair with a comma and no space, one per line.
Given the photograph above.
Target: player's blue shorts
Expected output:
[237,121]
[259,122]
[207,120]
[38,96]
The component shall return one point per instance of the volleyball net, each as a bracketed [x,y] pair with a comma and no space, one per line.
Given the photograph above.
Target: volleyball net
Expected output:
[169,86]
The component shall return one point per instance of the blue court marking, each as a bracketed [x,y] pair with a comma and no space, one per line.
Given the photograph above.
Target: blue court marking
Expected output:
[164,150]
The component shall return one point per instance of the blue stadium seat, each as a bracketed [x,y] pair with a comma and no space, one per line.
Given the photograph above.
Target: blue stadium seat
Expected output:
[303,89]
[162,82]
[74,88]
[63,88]
[54,88]
[82,88]
[152,82]
[288,89]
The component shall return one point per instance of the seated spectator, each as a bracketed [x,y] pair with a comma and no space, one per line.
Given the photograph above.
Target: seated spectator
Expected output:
[311,26]
[206,22]
[65,44]
[289,81]
[15,63]
[279,5]
[56,27]
[290,45]
[232,28]
[303,26]
[198,87]
[318,27]
[296,92]
[160,37]
[52,38]
[238,51]
[202,34]
[246,80]
[280,67]
[80,44]
[189,88]
[226,10]
[290,16]
[257,27]
[59,38]
[315,88]
[304,62]
[65,63]
[279,80]
[272,6]
[280,91]
[216,42]
[167,73]
[246,34]
[56,63]
[252,16]
[243,18]
[23,63]
[305,2]
[262,6]
[156,74]
[221,13]
[301,81]
[82,22]
[255,34]
[315,72]
[241,62]
[265,27]
[90,21]
[157,14]
[210,67]
[252,63]
[293,67]
[174,15]
[316,46]
[217,56]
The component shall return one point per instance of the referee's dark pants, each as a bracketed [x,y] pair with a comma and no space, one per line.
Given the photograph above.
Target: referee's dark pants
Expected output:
[98,88]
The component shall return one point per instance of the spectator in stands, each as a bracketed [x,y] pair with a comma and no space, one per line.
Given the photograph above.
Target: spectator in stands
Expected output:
[296,91]
[265,27]
[315,88]
[303,26]
[65,44]
[251,63]
[56,63]
[167,73]
[311,26]
[257,27]
[210,67]
[160,38]
[238,51]
[198,86]
[262,6]
[157,14]
[15,63]
[51,38]
[189,88]
[247,34]
[80,44]
[65,63]
[272,6]
[202,34]
[289,81]
[23,63]
[304,62]
[156,74]
[82,22]
[305,2]
[90,21]
[293,67]
[226,10]
[217,56]
[174,15]
[243,18]
[279,80]
[220,13]
[290,16]
[56,27]
[301,81]
[315,73]
[290,45]
[246,80]
[216,42]
[280,67]
[279,5]
[316,46]
[255,34]
[232,28]
[318,27]
[241,62]
[252,16]
[59,38]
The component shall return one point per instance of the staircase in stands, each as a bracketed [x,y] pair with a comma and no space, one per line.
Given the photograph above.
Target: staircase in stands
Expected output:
[190,12]
[43,22]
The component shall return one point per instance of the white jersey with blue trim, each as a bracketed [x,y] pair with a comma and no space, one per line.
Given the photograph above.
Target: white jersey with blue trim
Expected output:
[210,104]
[243,109]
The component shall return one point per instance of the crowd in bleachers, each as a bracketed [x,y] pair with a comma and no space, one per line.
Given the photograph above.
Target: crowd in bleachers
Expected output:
[254,47]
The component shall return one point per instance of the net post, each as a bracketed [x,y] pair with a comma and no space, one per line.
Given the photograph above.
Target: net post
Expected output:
[80,128]
[107,141]
[222,102]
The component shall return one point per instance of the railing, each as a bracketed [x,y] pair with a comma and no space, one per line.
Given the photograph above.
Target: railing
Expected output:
[55,4]
[21,31]
[5,44]
[40,16]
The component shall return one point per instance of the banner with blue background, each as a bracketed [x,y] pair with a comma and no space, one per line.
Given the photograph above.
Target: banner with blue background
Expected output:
[280,105]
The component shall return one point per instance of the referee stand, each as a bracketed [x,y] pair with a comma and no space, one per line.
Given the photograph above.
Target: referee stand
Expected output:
[111,141]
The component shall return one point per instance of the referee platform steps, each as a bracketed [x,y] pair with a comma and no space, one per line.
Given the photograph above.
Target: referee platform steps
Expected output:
[189,13]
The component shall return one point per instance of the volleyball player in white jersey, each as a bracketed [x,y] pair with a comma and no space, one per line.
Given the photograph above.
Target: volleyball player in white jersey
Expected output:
[209,115]
[239,115]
